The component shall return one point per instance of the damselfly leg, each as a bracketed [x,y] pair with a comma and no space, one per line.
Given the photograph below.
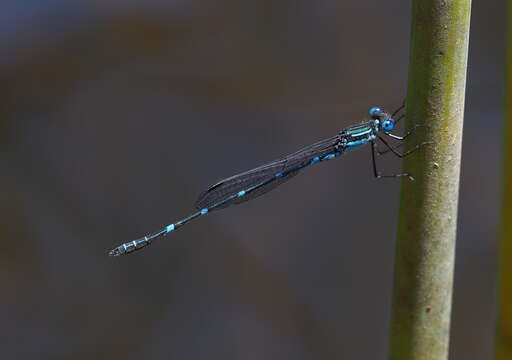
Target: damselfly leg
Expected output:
[399,154]
[395,113]
[391,148]
[384,152]
[377,173]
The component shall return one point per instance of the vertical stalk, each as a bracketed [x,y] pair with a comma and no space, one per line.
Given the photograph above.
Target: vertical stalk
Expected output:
[504,330]
[422,294]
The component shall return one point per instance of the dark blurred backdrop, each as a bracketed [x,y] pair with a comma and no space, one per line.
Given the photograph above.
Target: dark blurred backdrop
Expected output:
[116,114]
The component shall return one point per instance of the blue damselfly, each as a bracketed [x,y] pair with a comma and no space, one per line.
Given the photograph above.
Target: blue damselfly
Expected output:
[250,184]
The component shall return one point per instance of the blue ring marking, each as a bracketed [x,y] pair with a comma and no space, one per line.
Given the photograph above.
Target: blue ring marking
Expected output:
[279,175]
[204,211]
[315,160]
[241,193]
[170,228]
[329,157]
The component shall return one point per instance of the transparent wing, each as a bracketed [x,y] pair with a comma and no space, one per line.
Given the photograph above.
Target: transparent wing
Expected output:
[289,165]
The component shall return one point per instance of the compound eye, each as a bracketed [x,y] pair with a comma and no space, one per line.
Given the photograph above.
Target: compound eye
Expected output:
[388,125]
[375,112]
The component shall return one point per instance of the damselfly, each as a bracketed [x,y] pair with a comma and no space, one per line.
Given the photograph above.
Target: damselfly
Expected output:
[250,184]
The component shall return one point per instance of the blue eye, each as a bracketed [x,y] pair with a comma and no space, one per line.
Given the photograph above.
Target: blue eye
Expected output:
[375,112]
[388,125]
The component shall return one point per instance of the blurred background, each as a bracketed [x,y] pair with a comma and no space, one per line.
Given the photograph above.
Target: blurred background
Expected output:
[116,114]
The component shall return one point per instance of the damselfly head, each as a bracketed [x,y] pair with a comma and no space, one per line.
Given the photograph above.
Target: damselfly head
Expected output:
[382,119]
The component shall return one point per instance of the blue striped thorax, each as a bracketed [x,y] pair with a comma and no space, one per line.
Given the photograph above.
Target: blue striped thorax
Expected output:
[358,135]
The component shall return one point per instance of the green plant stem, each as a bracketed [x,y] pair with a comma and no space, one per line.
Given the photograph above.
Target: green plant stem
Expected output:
[504,329]
[424,263]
